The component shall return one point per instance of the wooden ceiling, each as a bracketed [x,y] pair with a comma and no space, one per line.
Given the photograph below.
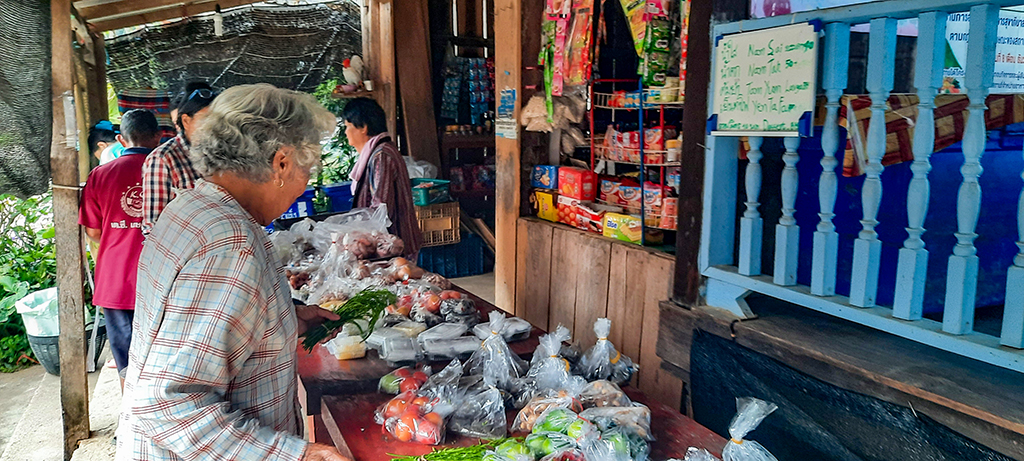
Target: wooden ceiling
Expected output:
[104,15]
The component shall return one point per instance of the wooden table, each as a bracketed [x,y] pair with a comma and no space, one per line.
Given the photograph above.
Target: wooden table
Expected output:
[349,421]
[339,399]
[321,374]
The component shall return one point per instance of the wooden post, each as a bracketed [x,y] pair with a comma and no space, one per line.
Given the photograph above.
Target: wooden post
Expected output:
[98,92]
[508,64]
[74,388]
[386,61]
[413,65]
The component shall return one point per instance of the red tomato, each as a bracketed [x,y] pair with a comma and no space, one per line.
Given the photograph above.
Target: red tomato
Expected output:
[395,408]
[404,428]
[409,385]
[420,401]
[413,410]
[420,376]
[434,418]
[427,432]
[403,372]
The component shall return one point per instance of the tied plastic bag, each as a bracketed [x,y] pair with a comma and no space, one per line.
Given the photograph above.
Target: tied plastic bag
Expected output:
[634,420]
[494,360]
[403,379]
[481,414]
[603,361]
[625,445]
[749,414]
[443,386]
[552,371]
[412,418]
[698,454]
[509,450]
[527,418]
[603,393]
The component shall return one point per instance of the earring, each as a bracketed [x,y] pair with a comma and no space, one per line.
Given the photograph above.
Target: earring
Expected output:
[280,183]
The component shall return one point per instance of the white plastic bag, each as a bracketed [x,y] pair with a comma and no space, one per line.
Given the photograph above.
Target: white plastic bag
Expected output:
[420,168]
[551,372]
[749,414]
[494,360]
[698,454]
[603,361]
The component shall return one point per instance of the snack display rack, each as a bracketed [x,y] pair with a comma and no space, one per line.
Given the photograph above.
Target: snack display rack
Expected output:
[641,157]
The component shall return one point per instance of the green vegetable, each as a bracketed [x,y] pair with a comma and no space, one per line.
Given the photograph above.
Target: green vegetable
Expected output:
[556,420]
[512,447]
[472,453]
[577,429]
[618,441]
[543,444]
[390,384]
[368,304]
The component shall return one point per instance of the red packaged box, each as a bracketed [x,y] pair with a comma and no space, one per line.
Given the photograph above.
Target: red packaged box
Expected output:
[577,183]
[568,208]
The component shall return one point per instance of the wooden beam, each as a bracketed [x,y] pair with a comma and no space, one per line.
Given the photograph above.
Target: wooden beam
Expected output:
[182,11]
[416,85]
[386,63]
[74,388]
[508,64]
[125,7]
[98,90]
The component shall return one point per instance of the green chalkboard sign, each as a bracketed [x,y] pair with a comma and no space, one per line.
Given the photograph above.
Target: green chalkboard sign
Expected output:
[764,81]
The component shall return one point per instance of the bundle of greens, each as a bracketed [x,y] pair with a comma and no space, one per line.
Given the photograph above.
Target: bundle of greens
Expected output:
[471,453]
[366,305]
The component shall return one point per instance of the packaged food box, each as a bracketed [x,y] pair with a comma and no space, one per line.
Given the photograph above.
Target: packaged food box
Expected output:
[590,216]
[410,329]
[546,205]
[577,183]
[567,210]
[653,194]
[545,177]
[400,350]
[609,190]
[623,227]
[346,347]
[443,331]
[670,214]
[630,196]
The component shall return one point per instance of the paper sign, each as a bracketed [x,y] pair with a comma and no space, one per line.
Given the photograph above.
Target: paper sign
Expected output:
[505,123]
[765,80]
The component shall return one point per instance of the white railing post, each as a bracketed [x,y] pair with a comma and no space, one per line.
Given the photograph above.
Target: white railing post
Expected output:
[1013,310]
[912,270]
[867,249]
[751,224]
[826,240]
[787,233]
[962,272]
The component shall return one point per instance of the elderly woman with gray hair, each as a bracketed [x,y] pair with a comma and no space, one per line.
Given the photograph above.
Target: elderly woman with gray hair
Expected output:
[212,367]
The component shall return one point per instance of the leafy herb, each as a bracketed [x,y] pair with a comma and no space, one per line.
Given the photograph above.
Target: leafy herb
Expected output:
[368,304]
[471,453]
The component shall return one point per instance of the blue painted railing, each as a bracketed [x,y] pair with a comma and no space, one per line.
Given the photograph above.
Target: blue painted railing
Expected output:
[732,276]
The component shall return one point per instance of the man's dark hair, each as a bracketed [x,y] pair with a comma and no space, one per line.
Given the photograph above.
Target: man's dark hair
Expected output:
[189,102]
[98,135]
[365,112]
[139,125]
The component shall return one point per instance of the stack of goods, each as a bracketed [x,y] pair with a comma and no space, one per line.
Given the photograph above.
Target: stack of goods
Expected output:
[569,195]
[472,177]
[624,146]
[468,96]
[659,29]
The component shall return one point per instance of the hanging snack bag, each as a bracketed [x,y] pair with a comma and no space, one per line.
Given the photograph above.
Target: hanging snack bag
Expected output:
[603,361]
[749,414]
[494,360]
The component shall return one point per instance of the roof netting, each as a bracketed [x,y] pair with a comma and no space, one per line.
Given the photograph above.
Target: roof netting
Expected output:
[287,46]
[25,109]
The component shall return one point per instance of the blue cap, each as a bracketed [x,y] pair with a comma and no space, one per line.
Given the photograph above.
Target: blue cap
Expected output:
[105,125]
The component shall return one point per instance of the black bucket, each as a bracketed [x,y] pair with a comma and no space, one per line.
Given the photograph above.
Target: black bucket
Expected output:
[47,350]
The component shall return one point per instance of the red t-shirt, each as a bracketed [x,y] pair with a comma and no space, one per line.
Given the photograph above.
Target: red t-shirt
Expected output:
[112,202]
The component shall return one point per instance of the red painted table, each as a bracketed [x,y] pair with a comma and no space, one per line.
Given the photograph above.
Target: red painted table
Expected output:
[349,421]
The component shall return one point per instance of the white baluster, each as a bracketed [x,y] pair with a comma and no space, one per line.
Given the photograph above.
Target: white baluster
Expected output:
[962,272]
[1013,310]
[751,224]
[787,233]
[867,249]
[912,270]
[826,240]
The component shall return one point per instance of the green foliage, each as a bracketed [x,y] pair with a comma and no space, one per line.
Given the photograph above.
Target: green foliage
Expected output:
[338,156]
[28,262]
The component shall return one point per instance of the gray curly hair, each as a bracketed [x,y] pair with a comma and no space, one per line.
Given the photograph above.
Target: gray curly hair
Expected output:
[247,125]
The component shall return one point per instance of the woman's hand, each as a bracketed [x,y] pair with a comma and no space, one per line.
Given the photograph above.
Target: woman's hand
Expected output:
[310,316]
[318,452]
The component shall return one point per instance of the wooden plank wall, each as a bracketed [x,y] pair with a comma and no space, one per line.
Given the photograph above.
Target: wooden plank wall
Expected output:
[569,277]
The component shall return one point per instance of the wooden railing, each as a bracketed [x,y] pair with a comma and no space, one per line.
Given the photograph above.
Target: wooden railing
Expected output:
[732,276]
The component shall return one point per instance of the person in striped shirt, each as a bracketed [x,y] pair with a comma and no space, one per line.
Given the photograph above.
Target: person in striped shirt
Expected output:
[212,367]
[168,168]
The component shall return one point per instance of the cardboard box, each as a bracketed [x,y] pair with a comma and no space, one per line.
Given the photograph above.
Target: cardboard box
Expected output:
[670,214]
[577,183]
[609,191]
[568,210]
[546,205]
[545,177]
[590,216]
[630,196]
[623,227]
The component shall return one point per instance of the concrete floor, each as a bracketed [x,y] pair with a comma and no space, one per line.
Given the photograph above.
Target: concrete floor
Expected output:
[480,285]
[30,415]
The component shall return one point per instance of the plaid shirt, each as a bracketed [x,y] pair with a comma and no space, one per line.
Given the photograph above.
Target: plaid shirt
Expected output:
[167,170]
[212,367]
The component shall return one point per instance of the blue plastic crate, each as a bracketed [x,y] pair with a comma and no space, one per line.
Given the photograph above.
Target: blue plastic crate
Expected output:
[340,195]
[463,259]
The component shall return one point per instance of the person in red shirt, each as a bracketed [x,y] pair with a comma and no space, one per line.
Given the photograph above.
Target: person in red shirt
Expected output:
[111,212]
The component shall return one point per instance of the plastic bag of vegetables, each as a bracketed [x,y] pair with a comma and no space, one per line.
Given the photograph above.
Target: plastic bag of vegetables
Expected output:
[444,385]
[412,418]
[749,414]
[531,413]
[403,379]
[603,361]
[480,414]
[635,419]
[494,360]
[543,444]
[603,393]
[551,372]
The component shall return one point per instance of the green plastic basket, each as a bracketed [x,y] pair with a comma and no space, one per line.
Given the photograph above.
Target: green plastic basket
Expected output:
[423,196]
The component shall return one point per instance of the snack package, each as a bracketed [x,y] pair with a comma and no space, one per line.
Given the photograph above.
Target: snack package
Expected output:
[749,414]
[610,190]
[403,379]
[551,372]
[346,347]
[603,361]
[603,393]
[447,349]
[635,419]
[537,406]
[577,183]
[545,177]
[436,280]
[630,196]
[636,16]
[480,414]
[580,33]
[494,360]
[514,329]
[407,418]
[388,245]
